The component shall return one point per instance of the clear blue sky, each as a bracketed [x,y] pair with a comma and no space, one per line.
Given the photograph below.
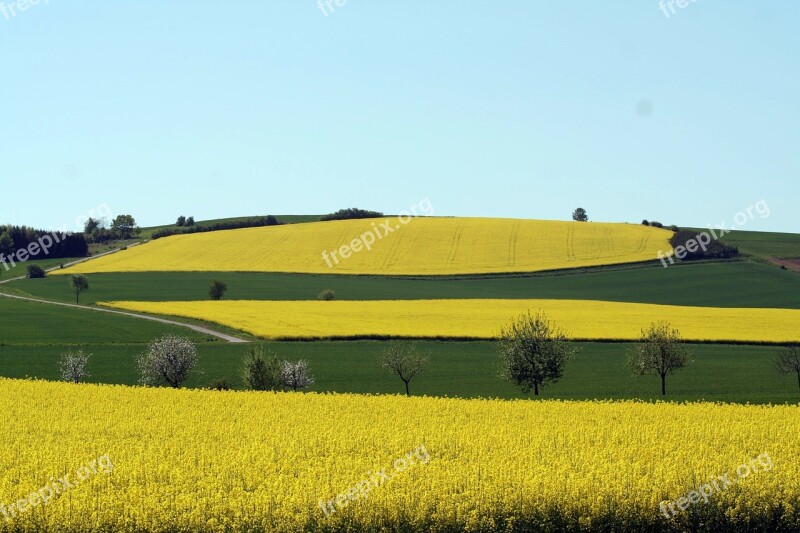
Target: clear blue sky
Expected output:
[509,108]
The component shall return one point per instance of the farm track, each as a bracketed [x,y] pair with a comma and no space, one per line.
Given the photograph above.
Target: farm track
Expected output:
[199,329]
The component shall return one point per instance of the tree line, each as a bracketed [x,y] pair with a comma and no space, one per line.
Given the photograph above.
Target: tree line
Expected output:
[15,238]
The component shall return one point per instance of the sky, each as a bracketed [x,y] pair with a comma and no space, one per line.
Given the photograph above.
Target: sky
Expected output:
[522,109]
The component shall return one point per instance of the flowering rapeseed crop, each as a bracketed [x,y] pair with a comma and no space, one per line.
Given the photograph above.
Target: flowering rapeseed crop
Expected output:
[191,460]
[430,246]
[582,319]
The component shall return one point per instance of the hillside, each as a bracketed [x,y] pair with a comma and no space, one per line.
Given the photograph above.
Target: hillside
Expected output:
[423,246]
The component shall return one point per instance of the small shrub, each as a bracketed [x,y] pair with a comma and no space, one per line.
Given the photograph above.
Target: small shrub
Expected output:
[220,384]
[35,271]
[327,295]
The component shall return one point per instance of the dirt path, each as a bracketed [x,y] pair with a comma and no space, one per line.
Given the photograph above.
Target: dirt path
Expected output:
[199,329]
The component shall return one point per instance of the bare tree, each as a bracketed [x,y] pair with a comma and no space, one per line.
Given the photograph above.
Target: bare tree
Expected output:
[168,361]
[295,375]
[533,351]
[405,361]
[788,361]
[660,351]
[73,366]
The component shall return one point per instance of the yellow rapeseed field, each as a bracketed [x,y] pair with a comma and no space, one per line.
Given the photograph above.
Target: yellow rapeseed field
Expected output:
[191,460]
[424,246]
[582,319]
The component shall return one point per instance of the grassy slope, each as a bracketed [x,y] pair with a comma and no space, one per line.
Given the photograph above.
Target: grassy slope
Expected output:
[731,284]
[762,244]
[34,323]
[468,369]
[146,233]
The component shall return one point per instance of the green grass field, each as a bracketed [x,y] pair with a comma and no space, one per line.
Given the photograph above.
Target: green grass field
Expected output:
[763,244]
[32,336]
[727,284]
[146,233]
[29,323]
[21,269]
[466,369]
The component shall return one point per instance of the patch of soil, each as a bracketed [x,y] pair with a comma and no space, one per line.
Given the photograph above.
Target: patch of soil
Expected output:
[791,264]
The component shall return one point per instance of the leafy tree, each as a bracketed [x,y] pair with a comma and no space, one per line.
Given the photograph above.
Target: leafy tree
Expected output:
[326,295]
[6,243]
[90,225]
[533,352]
[181,221]
[580,215]
[645,222]
[405,361]
[168,361]
[73,366]
[124,227]
[216,289]
[659,351]
[789,361]
[261,370]
[295,375]
[79,284]
[35,271]
[190,221]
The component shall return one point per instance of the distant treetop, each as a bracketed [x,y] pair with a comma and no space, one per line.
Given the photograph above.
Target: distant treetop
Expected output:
[353,212]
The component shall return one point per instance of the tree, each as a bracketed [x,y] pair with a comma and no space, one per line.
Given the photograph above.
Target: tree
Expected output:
[533,352]
[659,351]
[405,361]
[6,243]
[124,227]
[190,221]
[326,295]
[580,215]
[181,221]
[261,370]
[789,361]
[90,225]
[295,375]
[168,361]
[35,271]
[79,284]
[73,366]
[216,289]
